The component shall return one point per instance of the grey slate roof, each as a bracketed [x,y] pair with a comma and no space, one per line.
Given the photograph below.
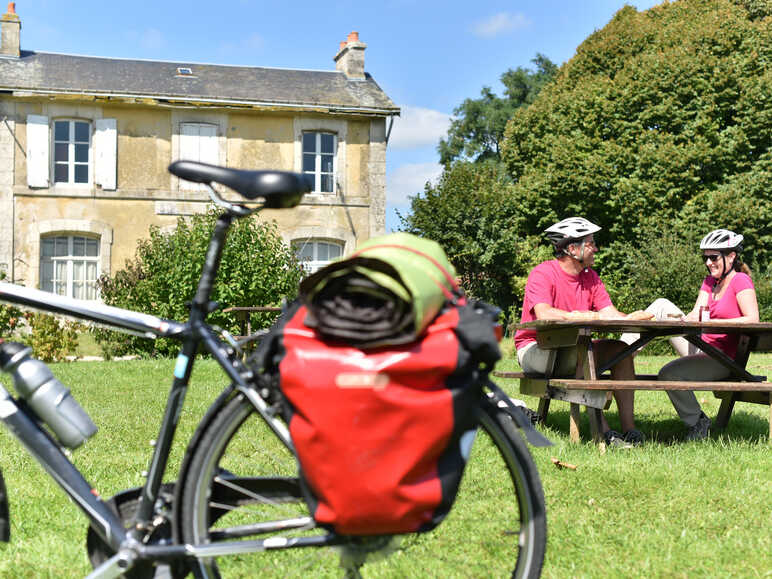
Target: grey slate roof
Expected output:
[63,73]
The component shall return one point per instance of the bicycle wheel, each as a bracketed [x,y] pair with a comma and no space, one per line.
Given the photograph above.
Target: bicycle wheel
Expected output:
[496,528]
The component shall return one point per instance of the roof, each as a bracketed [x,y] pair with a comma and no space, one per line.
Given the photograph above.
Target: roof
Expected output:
[50,73]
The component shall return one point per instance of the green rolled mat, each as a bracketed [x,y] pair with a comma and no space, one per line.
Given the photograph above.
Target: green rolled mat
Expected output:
[387,292]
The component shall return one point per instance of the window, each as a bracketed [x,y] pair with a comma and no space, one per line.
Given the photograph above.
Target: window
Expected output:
[69,266]
[315,254]
[319,160]
[198,142]
[78,159]
[72,141]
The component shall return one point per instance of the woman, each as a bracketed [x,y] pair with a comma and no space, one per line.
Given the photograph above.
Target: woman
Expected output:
[727,293]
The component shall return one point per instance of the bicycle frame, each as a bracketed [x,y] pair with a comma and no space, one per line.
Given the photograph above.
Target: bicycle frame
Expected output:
[194,333]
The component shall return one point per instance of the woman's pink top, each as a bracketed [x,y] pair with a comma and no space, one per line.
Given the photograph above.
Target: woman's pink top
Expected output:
[725,309]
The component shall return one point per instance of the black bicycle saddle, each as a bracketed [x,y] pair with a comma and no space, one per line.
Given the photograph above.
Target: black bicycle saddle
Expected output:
[280,189]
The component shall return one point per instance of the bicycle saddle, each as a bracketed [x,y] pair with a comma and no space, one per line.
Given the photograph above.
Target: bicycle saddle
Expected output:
[281,189]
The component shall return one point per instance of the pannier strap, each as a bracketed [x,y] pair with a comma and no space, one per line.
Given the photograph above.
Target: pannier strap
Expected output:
[533,436]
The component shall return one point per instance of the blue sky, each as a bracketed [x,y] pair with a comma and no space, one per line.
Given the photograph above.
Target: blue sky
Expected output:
[427,55]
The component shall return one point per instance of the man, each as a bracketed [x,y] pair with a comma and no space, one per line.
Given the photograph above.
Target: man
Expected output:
[565,288]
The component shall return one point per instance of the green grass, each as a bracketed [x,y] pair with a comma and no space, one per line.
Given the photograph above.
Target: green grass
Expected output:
[667,509]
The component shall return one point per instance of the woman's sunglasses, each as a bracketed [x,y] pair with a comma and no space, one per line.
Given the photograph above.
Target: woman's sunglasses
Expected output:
[711,257]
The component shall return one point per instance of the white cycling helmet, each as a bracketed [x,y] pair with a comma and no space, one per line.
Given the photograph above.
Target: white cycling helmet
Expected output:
[570,229]
[722,240]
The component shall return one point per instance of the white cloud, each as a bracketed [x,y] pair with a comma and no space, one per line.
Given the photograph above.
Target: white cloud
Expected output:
[418,127]
[409,180]
[499,24]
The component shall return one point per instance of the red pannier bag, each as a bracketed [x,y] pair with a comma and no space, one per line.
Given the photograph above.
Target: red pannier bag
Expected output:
[382,435]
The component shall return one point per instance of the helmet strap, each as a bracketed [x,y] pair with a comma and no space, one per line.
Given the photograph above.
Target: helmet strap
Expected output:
[581,253]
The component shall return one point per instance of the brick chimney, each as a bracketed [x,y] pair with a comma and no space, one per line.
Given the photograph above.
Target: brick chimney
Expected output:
[351,57]
[10,27]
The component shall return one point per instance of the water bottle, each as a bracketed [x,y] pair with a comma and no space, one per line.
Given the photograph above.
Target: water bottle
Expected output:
[48,398]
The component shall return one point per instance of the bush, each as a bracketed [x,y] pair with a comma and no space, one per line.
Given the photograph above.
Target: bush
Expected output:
[10,317]
[763,282]
[51,340]
[257,269]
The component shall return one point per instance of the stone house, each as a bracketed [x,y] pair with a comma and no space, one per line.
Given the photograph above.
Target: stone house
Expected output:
[85,143]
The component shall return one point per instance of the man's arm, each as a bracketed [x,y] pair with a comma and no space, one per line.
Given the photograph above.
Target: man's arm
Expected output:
[611,313]
[544,311]
[547,312]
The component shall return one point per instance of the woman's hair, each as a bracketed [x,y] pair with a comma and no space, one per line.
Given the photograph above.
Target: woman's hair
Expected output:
[737,263]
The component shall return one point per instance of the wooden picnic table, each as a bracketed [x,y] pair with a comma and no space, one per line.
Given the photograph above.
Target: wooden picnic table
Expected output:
[242,315]
[593,389]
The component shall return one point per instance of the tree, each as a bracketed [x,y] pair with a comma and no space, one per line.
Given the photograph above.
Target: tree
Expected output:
[257,269]
[478,127]
[659,130]
[661,121]
[473,214]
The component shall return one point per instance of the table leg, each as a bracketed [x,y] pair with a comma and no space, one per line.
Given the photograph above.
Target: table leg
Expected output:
[574,417]
[544,406]
[594,414]
[725,411]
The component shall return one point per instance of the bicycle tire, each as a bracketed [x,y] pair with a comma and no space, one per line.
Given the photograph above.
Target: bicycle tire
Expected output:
[233,442]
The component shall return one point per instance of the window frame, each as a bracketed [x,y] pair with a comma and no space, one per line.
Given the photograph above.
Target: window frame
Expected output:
[71,143]
[50,283]
[318,154]
[315,264]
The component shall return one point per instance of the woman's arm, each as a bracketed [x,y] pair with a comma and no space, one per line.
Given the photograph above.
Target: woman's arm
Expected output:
[749,307]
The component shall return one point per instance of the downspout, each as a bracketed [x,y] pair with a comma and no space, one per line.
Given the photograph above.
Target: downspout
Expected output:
[388,131]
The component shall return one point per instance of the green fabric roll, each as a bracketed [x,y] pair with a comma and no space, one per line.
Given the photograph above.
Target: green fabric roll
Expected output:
[407,268]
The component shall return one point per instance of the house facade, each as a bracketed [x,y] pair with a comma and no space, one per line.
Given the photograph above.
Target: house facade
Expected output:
[85,143]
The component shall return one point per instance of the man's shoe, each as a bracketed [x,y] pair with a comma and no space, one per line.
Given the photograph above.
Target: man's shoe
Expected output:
[615,439]
[699,430]
[634,437]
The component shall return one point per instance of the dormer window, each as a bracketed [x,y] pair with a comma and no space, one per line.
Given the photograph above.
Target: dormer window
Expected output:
[184,71]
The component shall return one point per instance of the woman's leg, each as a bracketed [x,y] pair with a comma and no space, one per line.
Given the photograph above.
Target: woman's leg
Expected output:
[663,309]
[698,368]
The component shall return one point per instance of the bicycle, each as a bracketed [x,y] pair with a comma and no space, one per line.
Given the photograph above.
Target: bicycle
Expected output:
[233,497]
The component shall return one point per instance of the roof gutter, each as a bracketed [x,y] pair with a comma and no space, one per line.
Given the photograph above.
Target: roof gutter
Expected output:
[213,101]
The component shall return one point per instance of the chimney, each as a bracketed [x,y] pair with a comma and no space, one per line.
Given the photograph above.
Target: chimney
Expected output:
[351,57]
[10,27]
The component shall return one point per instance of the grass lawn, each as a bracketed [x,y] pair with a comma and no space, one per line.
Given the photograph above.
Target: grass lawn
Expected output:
[667,509]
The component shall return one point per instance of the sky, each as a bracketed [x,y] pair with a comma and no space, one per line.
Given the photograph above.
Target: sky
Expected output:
[428,56]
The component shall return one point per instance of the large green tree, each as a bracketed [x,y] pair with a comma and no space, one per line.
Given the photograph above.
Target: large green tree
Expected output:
[662,121]
[659,129]
[477,130]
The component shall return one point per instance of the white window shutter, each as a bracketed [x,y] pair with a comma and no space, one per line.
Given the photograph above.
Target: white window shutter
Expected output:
[208,152]
[37,151]
[106,153]
[189,142]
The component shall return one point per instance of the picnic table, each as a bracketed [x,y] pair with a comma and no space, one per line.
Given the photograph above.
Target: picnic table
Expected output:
[592,388]
[242,315]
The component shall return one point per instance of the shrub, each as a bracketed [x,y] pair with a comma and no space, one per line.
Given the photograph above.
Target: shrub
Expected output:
[257,269]
[10,317]
[51,340]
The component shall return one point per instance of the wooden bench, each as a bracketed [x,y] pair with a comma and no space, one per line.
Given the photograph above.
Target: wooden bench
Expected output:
[597,393]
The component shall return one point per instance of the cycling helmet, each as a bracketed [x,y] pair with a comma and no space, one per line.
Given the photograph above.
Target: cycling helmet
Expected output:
[570,229]
[722,240]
